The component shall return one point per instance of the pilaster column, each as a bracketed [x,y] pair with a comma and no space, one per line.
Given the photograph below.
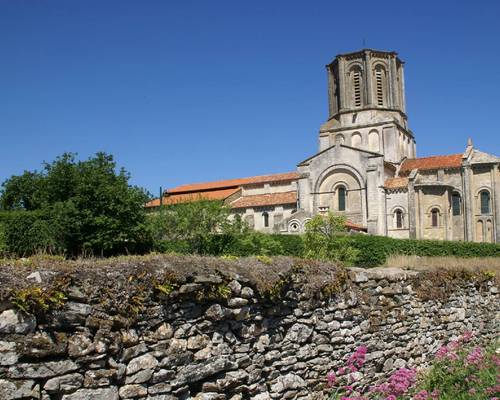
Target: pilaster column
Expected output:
[496,202]
[393,84]
[468,204]
[342,85]
[369,78]
[402,89]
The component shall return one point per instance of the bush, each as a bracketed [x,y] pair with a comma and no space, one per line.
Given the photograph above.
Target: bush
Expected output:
[29,232]
[324,240]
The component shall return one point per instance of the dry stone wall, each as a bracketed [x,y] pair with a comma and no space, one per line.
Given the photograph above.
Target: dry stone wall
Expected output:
[232,341]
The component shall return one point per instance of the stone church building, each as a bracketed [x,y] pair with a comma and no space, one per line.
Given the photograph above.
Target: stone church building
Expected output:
[366,169]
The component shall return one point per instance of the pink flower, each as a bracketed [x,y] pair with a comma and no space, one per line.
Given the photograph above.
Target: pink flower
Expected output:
[475,357]
[331,378]
[467,336]
[422,395]
[357,359]
[442,352]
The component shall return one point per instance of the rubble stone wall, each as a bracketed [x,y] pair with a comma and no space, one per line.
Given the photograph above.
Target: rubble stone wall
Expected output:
[240,346]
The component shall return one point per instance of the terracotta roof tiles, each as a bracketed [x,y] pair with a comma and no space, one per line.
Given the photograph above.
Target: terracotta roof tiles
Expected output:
[268,199]
[396,183]
[222,194]
[289,176]
[429,163]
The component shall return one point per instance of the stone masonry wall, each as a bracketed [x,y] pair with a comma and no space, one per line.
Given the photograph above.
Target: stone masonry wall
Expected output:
[215,335]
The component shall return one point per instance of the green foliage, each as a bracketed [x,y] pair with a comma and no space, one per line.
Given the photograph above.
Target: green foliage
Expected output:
[36,300]
[189,227]
[374,250]
[463,373]
[323,240]
[75,207]
[29,232]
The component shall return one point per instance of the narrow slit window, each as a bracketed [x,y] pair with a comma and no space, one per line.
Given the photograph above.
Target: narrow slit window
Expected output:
[265,217]
[399,219]
[456,204]
[342,197]
[485,202]
[435,218]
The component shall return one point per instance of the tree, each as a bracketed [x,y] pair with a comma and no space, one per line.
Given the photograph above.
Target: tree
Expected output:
[325,239]
[91,207]
[194,223]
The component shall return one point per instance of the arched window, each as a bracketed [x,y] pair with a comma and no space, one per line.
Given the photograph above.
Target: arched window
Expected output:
[485,202]
[356,140]
[341,193]
[398,216]
[434,217]
[357,81]
[373,141]
[380,84]
[456,204]
[265,216]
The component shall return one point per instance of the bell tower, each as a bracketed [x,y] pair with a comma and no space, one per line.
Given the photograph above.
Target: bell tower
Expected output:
[367,107]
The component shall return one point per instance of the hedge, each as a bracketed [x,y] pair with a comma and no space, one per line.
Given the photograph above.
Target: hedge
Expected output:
[373,250]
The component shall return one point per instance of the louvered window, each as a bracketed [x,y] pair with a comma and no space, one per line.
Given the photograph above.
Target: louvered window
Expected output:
[357,88]
[379,86]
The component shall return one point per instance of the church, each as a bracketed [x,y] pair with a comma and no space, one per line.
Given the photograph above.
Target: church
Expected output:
[366,169]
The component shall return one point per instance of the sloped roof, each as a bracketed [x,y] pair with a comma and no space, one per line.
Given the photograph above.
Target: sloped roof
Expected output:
[480,157]
[429,163]
[269,199]
[354,227]
[222,194]
[195,187]
[396,183]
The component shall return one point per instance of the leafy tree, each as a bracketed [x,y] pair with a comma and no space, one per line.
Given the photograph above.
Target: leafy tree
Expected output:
[194,223]
[324,240]
[90,207]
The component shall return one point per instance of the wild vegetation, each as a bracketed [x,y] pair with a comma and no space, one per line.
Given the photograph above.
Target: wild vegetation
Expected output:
[460,371]
[88,208]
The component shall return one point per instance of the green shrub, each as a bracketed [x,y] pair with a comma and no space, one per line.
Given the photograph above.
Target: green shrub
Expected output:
[29,232]
[3,243]
[374,250]
[462,371]
[325,240]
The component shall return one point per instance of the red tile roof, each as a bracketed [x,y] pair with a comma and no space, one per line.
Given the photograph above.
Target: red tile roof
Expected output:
[395,183]
[435,162]
[270,199]
[195,187]
[354,227]
[222,194]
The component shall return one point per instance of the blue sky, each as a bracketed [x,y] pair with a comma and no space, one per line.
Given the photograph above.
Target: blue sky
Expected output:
[188,91]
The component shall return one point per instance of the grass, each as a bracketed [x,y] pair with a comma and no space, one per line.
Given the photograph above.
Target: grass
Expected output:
[417,263]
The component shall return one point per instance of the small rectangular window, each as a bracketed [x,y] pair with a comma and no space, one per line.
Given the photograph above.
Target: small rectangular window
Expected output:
[455,204]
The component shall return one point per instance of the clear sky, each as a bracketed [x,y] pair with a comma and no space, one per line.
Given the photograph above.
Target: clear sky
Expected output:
[188,91]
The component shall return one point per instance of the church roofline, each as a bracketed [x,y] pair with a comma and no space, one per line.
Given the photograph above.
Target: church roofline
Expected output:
[302,163]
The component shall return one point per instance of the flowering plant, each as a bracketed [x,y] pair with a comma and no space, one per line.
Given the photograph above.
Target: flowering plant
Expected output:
[459,372]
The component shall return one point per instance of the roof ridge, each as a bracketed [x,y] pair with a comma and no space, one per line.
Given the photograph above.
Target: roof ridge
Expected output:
[439,155]
[189,187]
